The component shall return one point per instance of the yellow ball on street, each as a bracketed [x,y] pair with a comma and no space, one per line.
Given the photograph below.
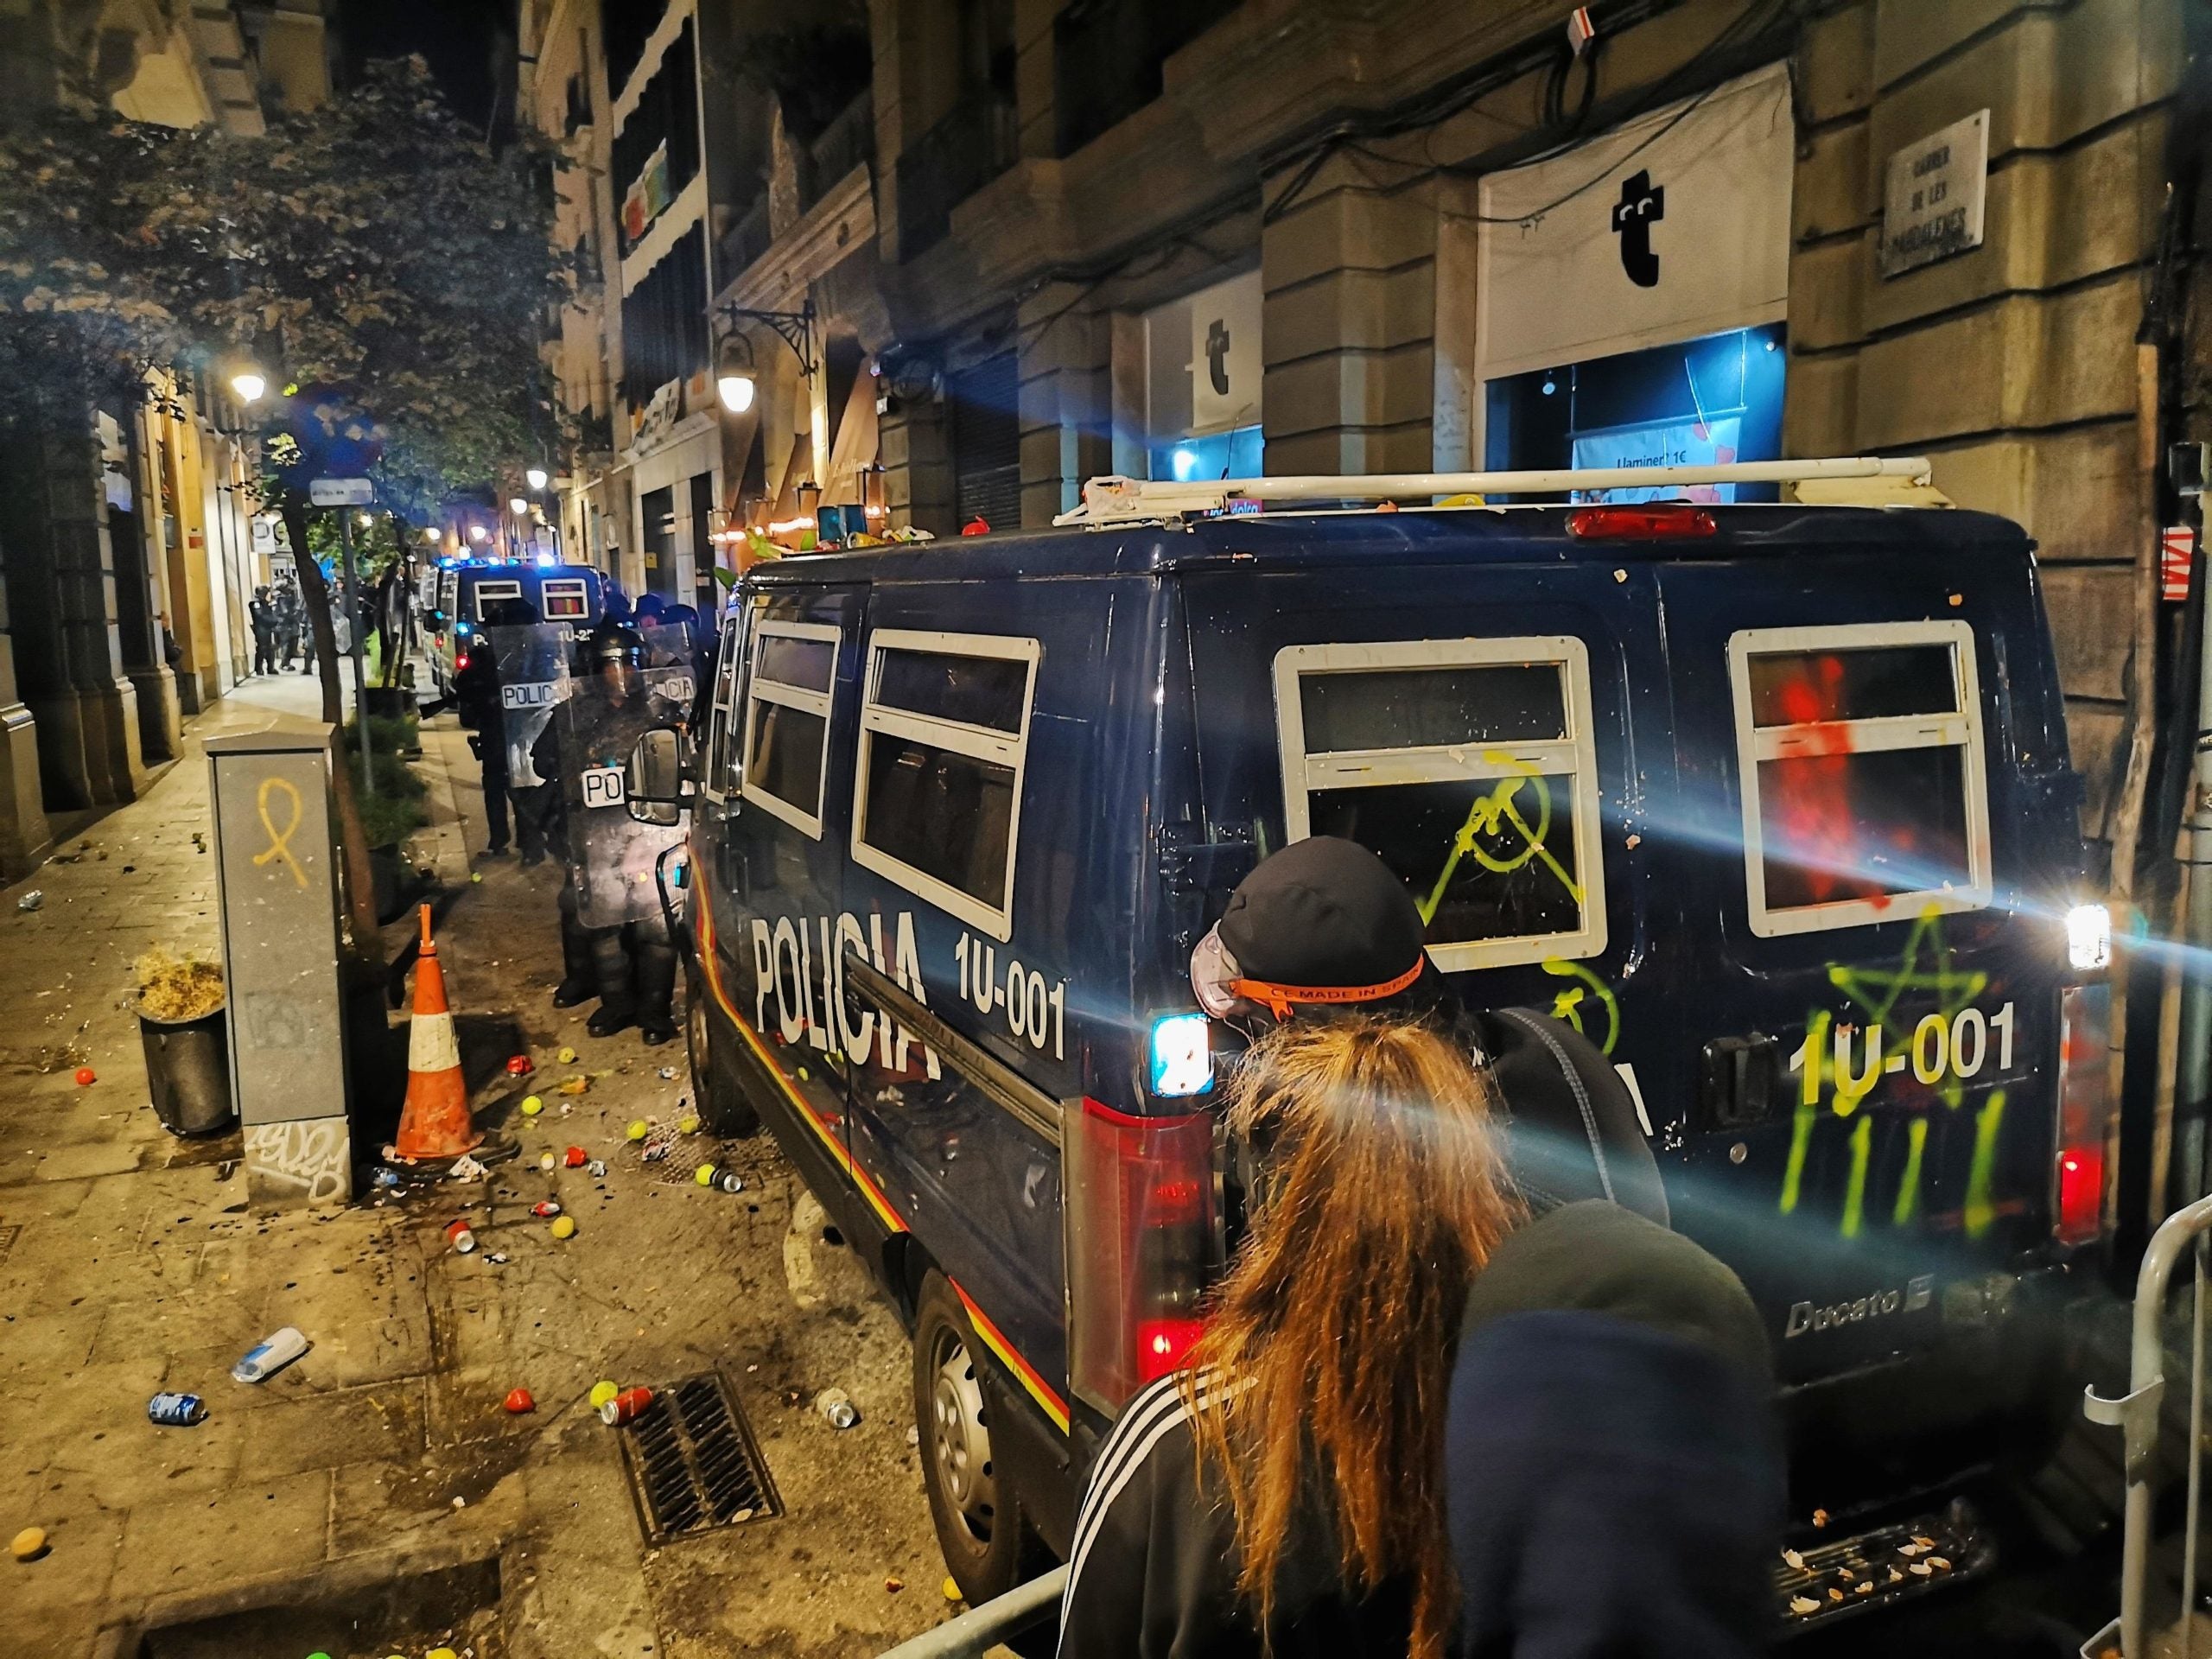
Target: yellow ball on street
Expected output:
[687,1124]
[601,1392]
[28,1544]
[565,1226]
[547,1161]
[441,1653]
[532,1106]
[566,1055]
[704,1174]
[951,1590]
[639,1128]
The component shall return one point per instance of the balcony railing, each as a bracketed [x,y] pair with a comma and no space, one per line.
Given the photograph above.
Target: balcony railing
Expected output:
[949,162]
[742,243]
[847,142]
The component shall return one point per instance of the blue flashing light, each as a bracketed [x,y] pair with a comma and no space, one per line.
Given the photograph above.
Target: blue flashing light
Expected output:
[1181,1061]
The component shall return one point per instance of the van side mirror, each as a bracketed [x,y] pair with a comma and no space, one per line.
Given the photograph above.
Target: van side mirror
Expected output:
[654,786]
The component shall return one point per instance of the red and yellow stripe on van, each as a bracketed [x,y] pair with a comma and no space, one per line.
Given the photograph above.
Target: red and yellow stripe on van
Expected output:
[992,1338]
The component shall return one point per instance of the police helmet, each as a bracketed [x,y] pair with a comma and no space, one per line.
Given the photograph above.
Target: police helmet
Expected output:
[612,643]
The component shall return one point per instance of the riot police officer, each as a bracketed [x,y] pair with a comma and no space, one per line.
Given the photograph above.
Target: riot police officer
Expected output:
[614,937]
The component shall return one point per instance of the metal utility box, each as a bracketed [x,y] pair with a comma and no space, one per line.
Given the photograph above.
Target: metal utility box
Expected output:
[276,887]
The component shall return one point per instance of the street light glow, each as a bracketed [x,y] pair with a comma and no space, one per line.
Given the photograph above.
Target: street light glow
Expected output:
[430,535]
[248,385]
[735,391]
[536,478]
[477,532]
[517,506]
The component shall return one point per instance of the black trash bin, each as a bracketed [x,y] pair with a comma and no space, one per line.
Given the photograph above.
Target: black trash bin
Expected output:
[189,1071]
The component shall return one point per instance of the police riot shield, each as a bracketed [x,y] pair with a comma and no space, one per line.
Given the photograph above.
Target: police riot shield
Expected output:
[533,663]
[605,709]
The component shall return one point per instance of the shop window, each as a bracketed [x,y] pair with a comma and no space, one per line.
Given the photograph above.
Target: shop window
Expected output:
[1202,376]
[1860,750]
[1468,766]
[945,729]
[1700,401]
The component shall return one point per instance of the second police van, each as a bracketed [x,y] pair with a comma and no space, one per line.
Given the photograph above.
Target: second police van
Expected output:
[569,595]
[1772,802]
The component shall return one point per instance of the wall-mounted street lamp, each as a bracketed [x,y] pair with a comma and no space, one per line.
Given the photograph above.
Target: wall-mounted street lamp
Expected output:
[477,532]
[536,478]
[736,370]
[249,385]
[517,506]
[431,535]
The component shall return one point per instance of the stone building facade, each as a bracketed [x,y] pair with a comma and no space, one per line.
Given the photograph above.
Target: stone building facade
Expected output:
[1361,236]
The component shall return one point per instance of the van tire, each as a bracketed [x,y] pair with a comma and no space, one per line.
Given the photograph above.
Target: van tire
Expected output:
[721,1103]
[986,1541]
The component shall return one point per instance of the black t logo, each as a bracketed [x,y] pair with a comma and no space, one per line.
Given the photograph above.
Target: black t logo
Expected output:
[1217,356]
[1641,204]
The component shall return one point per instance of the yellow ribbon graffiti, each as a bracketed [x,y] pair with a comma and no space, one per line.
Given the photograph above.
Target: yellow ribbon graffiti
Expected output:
[1490,815]
[280,841]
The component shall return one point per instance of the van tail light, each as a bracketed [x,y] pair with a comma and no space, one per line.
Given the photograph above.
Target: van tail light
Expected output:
[1656,523]
[1138,1198]
[2085,1115]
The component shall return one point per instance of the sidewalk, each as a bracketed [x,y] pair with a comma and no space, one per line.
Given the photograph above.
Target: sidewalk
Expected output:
[129,1264]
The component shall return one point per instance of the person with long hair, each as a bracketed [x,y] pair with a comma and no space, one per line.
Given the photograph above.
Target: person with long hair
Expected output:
[1283,1495]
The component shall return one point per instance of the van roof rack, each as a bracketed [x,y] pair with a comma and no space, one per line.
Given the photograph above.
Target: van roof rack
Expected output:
[1845,481]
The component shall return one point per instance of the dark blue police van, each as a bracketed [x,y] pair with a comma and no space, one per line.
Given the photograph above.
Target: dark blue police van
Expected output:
[1772,802]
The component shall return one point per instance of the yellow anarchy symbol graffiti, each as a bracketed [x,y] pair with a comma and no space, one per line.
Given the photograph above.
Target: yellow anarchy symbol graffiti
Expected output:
[280,841]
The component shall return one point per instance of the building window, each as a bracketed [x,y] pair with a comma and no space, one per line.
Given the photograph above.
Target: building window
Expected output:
[1860,752]
[1468,766]
[787,721]
[944,730]
[1202,383]
[664,323]
[656,152]
[627,26]
[1108,57]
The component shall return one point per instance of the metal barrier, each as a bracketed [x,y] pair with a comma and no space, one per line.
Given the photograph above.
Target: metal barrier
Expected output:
[982,1627]
[2136,1414]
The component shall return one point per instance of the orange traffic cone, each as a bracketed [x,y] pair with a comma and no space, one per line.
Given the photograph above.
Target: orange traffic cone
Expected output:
[436,1124]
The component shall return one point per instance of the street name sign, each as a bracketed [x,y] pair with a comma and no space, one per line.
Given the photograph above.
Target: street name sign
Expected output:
[1932,198]
[342,492]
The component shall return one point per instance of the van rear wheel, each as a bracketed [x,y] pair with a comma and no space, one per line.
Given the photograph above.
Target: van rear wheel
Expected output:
[720,1104]
[977,1511]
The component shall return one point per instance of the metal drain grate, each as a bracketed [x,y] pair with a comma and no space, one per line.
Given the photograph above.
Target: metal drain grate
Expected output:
[693,1463]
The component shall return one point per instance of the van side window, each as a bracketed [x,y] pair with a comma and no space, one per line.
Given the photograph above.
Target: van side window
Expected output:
[489,594]
[944,731]
[1468,766]
[561,600]
[1859,749]
[787,720]
[720,779]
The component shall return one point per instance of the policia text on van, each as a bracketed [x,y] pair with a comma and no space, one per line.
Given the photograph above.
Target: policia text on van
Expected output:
[1772,801]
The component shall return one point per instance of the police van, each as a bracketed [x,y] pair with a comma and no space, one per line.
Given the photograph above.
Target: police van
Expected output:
[1772,802]
[573,596]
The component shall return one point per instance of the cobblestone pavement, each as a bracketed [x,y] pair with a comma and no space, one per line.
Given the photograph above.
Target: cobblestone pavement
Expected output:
[382,1465]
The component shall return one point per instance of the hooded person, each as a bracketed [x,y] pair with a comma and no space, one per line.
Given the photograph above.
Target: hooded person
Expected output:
[1322,928]
[1613,1476]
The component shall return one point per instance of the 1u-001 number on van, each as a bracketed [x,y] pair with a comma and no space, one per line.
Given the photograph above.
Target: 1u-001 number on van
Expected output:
[1942,1048]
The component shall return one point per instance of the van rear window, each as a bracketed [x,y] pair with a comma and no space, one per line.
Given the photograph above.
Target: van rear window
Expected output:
[1861,751]
[945,732]
[1467,765]
[789,660]
[563,600]
[489,594]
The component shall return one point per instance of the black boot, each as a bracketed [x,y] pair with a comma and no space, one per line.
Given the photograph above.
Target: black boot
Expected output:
[571,992]
[611,1018]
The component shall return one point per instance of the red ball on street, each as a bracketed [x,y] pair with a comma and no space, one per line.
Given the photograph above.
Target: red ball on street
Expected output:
[85,1076]
[519,1401]
[575,1158]
[521,1066]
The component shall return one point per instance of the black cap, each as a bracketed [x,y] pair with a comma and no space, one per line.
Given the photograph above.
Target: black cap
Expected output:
[1325,914]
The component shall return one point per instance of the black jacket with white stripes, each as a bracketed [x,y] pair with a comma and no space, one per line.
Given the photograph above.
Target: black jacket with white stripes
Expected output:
[1154,1571]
